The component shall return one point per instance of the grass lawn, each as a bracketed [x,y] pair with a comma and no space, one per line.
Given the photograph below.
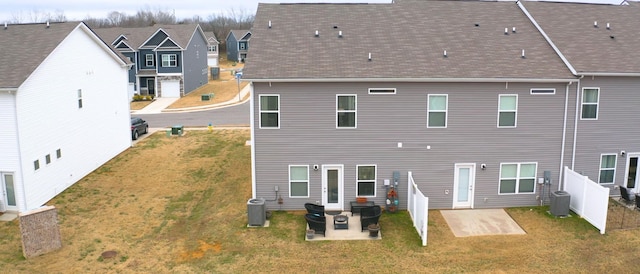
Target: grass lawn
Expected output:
[178,205]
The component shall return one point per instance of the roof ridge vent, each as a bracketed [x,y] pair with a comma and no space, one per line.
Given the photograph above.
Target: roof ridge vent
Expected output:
[269,23]
[506,31]
[47,24]
[513,30]
[317,33]
[339,34]
[523,56]
[608,26]
[369,56]
[444,54]
[595,24]
[5,25]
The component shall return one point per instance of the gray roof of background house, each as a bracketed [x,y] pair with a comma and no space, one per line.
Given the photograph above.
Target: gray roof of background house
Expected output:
[181,34]
[25,46]
[238,33]
[587,48]
[406,40]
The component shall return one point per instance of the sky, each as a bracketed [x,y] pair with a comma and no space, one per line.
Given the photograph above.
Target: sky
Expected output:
[81,9]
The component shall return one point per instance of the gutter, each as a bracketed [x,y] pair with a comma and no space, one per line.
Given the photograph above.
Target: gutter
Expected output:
[618,74]
[410,80]
[546,37]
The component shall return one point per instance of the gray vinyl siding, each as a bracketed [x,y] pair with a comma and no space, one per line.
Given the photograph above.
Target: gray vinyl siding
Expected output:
[617,127]
[143,61]
[157,39]
[132,71]
[232,48]
[308,136]
[195,63]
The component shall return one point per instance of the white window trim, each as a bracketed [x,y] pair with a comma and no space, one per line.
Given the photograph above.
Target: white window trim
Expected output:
[446,110]
[518,178]
[377,91]
[600,169]
[515,124]
[148,60]
[294,181]
[375,181]
[260,111]
[582,103]
[542,93]
[168,61]
[346,111]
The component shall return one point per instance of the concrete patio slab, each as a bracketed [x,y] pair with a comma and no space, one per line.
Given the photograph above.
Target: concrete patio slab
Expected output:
[8,217]
[353,233]
[480,222]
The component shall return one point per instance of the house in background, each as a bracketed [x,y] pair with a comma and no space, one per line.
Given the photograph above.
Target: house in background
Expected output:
[170,60]
[599,44]
[64,109]
[472,100]
[238,45]
[212,50]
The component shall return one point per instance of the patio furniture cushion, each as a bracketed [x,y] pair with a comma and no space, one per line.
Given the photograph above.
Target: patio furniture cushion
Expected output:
[313,208]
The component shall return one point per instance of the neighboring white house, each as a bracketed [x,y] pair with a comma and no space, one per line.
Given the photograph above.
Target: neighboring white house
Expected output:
[64,110]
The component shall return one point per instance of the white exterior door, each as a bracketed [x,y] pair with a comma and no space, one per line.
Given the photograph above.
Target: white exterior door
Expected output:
[9,192]
[631,174]
[332,187]
[464,181]
[170,89]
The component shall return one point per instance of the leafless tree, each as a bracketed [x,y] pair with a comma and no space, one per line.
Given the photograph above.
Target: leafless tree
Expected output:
[36,16]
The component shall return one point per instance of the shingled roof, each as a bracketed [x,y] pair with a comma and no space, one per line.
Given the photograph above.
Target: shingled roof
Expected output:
[406,41]
[25,46]
[590,49]
[181,34]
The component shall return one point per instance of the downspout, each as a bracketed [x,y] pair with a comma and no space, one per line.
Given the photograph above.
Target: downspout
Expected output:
[253,143]
[564,134]
[575,126]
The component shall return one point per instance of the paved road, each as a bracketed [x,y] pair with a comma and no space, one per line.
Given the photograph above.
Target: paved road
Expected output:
[225,116]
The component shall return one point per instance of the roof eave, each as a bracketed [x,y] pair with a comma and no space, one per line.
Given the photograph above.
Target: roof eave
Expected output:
[619,74]
[414,80]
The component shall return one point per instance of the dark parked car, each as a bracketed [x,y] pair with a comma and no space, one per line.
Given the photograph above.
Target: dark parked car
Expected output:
[138,126]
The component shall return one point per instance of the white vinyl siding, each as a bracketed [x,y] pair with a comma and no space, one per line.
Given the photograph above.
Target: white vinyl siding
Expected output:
[299,181]
[366,180]
[346,111]
[590,99]
[270,111]
[607,168]
[517,178]
[437,105]
[507,110]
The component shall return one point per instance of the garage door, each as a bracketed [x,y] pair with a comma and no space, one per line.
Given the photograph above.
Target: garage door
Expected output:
[170,88]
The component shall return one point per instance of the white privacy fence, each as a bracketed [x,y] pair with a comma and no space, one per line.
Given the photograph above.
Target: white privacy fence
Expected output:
[418,207]
[588,199]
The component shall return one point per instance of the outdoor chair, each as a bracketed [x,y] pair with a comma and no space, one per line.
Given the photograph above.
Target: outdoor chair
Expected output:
[369,215]
[314,209]
[317,223]
[625,197]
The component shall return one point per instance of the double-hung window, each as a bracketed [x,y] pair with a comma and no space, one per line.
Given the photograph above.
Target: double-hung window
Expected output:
[148,60]
[590,98]
[607,168]
[298,181]
[269,111]
[517,178]
[169,60]
[437,110]
[346,108]
[366,180]
[507,110]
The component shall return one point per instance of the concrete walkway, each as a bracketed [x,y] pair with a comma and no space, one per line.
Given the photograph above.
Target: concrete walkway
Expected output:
[159,105]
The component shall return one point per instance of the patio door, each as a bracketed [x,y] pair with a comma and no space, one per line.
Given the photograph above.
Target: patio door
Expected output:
[332,187]
[9,192]
[631,176]
[463,184]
